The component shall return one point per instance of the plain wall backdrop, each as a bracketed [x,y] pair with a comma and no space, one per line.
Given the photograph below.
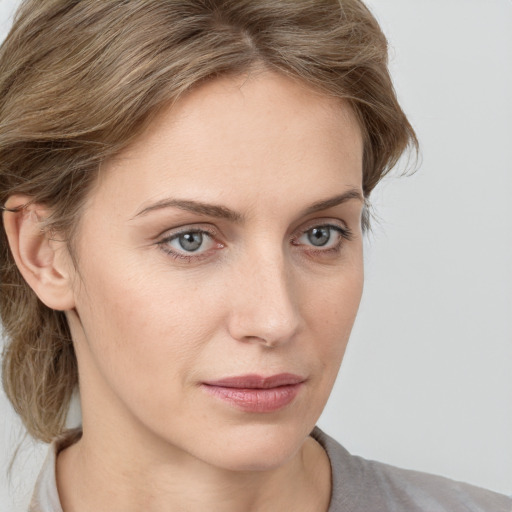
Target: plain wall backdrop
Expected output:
[426,382]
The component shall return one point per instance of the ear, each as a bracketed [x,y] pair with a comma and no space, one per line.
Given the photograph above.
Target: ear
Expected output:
[43,261]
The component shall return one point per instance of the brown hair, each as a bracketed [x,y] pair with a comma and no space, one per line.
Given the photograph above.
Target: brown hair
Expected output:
[79,80]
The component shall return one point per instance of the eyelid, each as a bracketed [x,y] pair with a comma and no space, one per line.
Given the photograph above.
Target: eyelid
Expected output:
[337,224]
[187,228]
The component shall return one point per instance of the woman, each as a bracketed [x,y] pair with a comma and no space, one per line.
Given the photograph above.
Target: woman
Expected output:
[184,189]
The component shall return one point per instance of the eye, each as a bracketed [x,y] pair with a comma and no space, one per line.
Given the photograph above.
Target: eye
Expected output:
[189,244]
[324,238]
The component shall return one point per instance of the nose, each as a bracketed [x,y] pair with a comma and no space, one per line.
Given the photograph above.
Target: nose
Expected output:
[264,305]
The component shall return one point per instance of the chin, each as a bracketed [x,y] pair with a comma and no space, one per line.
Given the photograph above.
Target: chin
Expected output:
[255,447]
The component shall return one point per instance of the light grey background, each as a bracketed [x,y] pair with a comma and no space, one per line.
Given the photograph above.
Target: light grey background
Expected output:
[427,381]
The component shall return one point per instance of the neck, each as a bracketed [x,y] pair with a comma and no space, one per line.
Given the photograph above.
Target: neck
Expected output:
[108,476]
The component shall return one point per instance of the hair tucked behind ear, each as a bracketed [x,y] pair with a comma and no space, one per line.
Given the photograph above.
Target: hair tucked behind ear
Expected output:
[79,80]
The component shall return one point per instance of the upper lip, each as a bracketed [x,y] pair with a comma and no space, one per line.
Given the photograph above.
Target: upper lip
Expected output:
[253,381]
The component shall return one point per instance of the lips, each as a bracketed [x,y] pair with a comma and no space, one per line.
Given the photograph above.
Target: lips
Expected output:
[255,393]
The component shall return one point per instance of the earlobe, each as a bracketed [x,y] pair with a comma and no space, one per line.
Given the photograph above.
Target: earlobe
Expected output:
[44,262]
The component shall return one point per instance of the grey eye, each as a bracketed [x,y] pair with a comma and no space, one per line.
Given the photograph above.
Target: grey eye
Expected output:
[319,236]
[190,242]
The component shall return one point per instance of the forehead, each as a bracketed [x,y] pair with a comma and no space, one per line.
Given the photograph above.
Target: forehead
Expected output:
[261,128]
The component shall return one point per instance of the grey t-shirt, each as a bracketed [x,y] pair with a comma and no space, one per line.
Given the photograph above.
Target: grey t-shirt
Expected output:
[358,485]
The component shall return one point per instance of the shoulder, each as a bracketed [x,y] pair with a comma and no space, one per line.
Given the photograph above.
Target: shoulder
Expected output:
[367,486]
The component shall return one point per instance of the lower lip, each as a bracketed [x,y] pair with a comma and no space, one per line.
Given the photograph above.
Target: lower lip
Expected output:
[256,400]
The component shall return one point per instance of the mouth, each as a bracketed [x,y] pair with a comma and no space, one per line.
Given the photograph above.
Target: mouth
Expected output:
[255,393]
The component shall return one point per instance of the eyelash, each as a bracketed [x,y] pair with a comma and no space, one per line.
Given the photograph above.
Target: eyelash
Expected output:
[345,234]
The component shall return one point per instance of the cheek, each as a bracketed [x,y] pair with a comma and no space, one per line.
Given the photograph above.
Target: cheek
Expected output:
[330,313]
[143,332]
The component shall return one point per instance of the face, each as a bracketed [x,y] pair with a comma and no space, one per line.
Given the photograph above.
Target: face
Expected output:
[219,271]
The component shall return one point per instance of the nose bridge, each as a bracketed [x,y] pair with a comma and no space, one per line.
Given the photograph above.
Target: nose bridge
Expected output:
[265,306]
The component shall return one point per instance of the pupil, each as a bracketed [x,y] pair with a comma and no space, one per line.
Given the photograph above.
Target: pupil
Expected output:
[191,241]
[319,236]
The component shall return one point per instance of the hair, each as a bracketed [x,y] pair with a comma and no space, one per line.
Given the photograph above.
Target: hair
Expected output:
[80,80]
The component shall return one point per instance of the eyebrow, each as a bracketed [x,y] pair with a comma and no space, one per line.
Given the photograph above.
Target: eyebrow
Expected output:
[221,212]
[211,210]
[335,201]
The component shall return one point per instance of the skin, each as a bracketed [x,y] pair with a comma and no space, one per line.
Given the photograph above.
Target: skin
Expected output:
[258,297]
